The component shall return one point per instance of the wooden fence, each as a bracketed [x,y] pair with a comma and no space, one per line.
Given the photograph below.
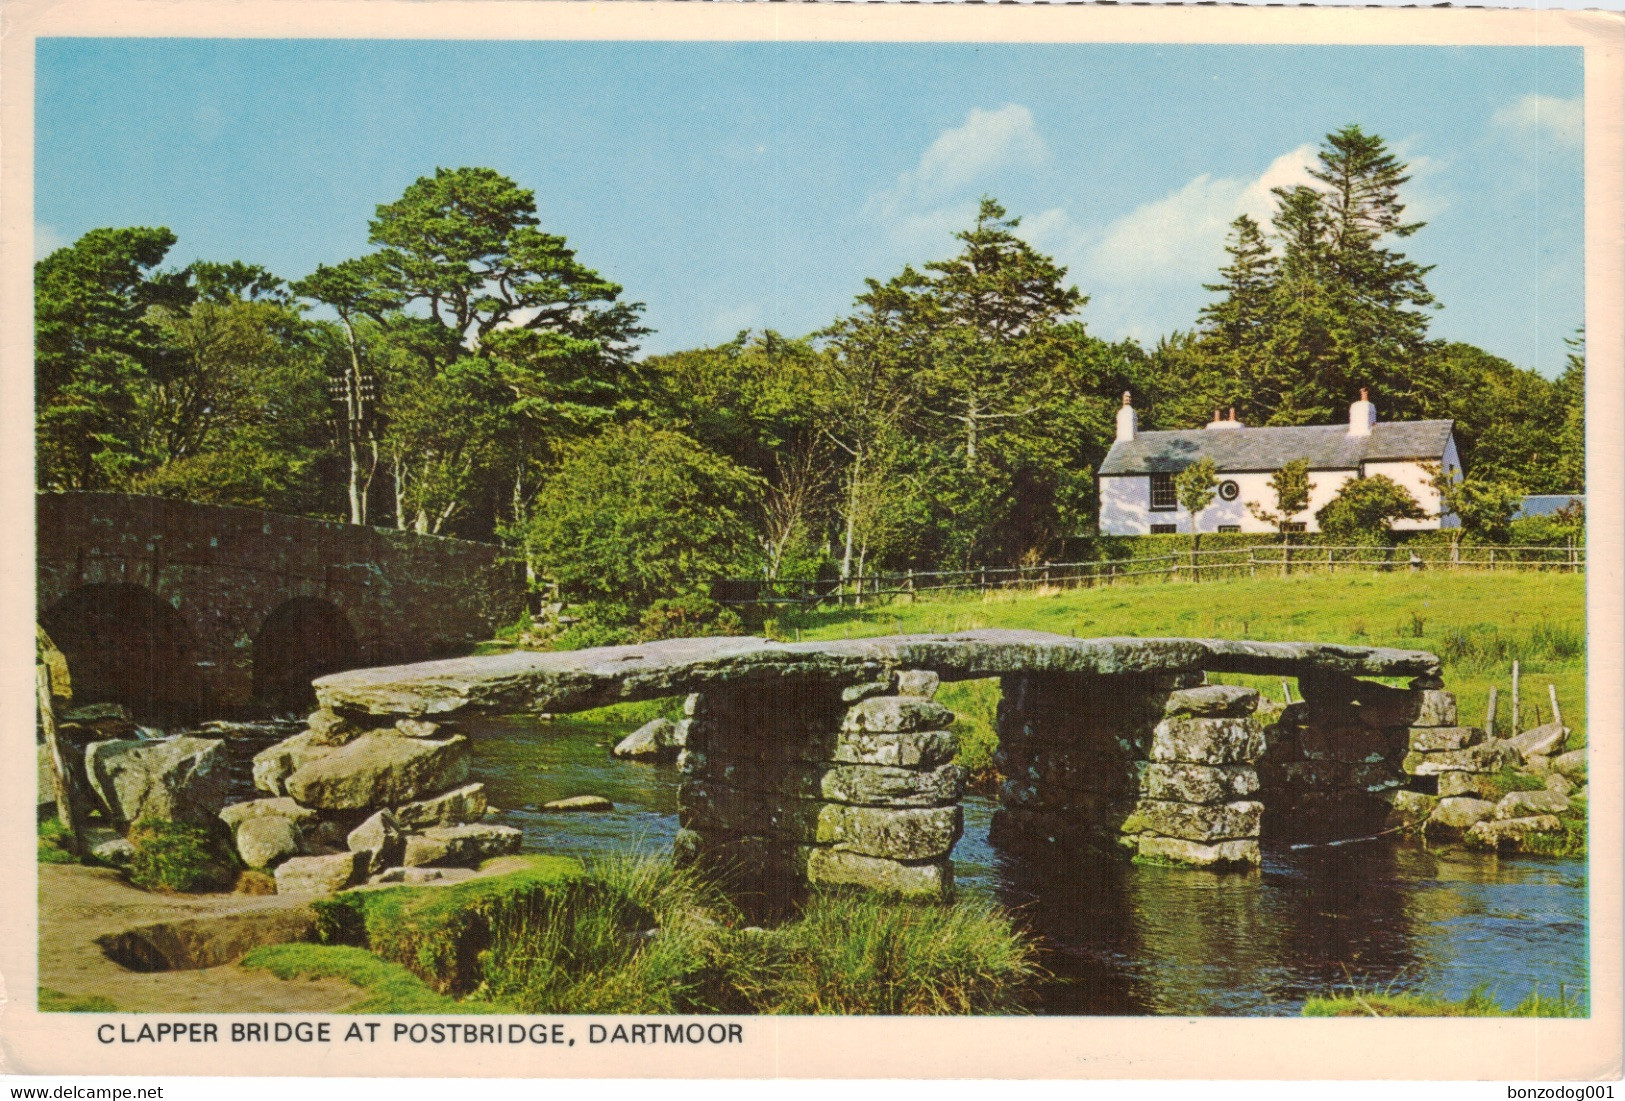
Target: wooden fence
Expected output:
[1207,565]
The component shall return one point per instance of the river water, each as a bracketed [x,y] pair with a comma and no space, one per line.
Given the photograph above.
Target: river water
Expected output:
[1123,939]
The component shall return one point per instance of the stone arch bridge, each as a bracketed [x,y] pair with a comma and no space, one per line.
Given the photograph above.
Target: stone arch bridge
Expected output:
[182,610]
[830,762]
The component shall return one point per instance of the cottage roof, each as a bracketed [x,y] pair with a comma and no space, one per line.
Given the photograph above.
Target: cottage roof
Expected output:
[1327,447]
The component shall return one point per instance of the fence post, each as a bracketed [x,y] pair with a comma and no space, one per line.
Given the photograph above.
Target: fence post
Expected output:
[1252,567]
[1557,716]
[1489,713]
[1329,567]
[1517,716]
[1492,567]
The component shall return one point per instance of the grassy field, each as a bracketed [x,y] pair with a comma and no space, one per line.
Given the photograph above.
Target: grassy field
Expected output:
[1478,623]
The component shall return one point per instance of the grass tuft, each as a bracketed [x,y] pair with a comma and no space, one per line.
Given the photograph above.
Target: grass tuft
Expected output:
[52,845]
[175,856]
[1480,1002]
[388,987]
[54,1001]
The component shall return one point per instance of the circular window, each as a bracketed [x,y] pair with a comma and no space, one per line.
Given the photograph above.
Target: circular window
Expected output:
[1229,490]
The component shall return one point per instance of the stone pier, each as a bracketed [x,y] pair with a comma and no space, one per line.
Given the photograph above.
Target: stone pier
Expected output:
[830,763]
[809,782]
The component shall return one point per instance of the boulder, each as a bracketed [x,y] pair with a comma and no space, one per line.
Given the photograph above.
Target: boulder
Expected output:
[274,764]
[838,867]
[464,846]
[382,837]
[118,852]
[896,714]
[279,807]
[1213,701]
[1540,741]
[863,691]
[329,728]
[267,840]
[579,803]
[1196,821]
[1572,765]
[449,808]
[1437,739]
[1477,784]
[1195,854]
[380,770]
[320,875]
[98,712]
[918,682]
[1459,812]
[1522,804]
[654,740]
[418,728]
[1409,808]
[1498,833]
[1556,781]
[1537,764]
[1484,757]
[181,779]
[1197,783]
[1207,741]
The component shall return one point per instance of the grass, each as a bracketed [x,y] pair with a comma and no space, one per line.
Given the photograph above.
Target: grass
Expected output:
[387,987]
[1477,623]
[54,1001]
[639,935]
[51,847]
[1479,1003]
[174,856]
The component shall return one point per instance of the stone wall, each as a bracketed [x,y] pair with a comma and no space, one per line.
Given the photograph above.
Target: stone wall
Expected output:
[802,782]
[225,571]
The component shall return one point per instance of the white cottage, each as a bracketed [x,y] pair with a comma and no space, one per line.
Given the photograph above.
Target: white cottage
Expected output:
[1137,478]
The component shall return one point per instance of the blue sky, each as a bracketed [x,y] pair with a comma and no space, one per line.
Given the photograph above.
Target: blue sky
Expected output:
[752,185]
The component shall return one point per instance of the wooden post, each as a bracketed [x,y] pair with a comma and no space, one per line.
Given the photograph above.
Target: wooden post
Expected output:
[1517,716]
[1557,716]
[67,811]
[1489,713]
[1286,691]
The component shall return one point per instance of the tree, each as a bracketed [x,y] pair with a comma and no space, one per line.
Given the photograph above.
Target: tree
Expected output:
[1483,507]
[355,290]
[1570,465]
[1365,509]
[94,344]
[1290,485]
[1195,487]
[638,514]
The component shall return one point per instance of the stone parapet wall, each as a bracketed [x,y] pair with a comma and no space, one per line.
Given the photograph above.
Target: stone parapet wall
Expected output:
[805,782]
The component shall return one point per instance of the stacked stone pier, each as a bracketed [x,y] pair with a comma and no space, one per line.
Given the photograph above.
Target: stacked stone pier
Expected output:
[832,762]
[811,783]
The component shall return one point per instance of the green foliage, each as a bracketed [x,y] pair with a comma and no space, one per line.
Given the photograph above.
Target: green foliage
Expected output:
[175,856]
[439,933]
[689,615]
[1365,508]
[1195,487]
[52,844]
[386,987]
[55,1001]
[639,514]
[853,953]
[1290,485]
[1479,1002]
[975,706]
[94,347]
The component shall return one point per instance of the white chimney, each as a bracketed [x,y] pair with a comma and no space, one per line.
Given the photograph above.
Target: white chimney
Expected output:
[1127,423]
[1220,422]
[1362,415]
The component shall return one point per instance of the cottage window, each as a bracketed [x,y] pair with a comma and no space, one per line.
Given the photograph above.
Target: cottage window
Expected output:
[1295,525]
[1162,493]
[1223,528]
[1162,529]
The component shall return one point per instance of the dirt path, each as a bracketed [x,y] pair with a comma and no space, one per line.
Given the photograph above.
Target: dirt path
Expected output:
[77,905]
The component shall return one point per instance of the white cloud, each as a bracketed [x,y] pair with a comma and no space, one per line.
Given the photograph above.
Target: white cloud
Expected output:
[46,240]
[987,142]
[1562,120]
[1181,235]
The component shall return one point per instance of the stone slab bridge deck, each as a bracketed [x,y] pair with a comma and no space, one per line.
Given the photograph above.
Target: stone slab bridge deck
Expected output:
[831,762]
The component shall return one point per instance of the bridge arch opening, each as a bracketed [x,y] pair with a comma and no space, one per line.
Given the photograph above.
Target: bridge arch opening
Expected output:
[300,640]
[125,645]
